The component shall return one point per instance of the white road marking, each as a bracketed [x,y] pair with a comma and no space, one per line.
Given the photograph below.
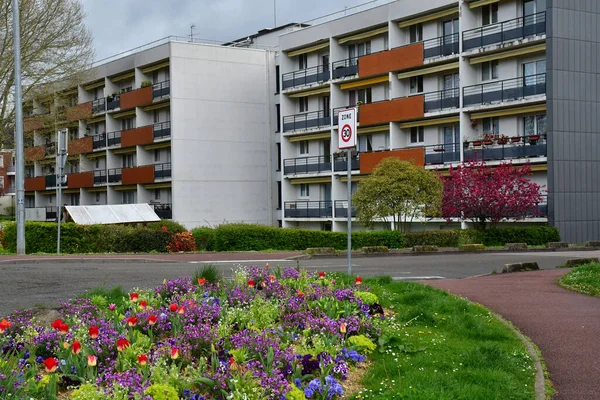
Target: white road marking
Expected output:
[416,278]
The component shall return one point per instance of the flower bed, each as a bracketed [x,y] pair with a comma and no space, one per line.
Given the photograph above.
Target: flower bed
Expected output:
[265,335]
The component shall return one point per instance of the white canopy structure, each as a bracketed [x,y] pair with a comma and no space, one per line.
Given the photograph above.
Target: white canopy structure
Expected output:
[112,214]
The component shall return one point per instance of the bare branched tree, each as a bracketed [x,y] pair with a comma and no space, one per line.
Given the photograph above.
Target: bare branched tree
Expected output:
[56,52]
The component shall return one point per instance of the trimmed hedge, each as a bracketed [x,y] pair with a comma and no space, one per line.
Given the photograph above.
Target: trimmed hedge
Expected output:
[433,238]
[532,235]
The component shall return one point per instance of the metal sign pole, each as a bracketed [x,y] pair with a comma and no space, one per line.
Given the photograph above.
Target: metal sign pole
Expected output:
[349,155]
[347,140]
[20,161]
[61,159]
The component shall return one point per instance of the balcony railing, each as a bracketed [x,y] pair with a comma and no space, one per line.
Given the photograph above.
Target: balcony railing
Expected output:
[113,139]
[347,67]
[307,165]
[99,176]
[441,46]
[442,100]
[161,130]
[99,141]
[336,113]
[51,213]
[99,106]
[114,175]
[506,90]
[11,190]
[11,168]
[113,102]
[308,120]
[514,29]
[341,209]
[308,209]
[502,148]
[340,163]
[161,89]
[162,171]
[164,211]
[306,76]
[50,181]
[542,207]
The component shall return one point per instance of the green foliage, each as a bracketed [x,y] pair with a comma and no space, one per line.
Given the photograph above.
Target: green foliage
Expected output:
[367,297]
[471,247]
[375,249]
[584,279]
[448,238]
[362,344]
[205,238]
[295,394]
[209,272]
[162,392]
[87,391]
[532,235]
[172,226]
[400,190]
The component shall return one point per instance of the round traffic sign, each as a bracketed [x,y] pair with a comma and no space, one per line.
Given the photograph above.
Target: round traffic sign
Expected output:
[346,133]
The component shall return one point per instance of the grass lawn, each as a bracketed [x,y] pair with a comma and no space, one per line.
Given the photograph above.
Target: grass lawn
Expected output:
[584,279]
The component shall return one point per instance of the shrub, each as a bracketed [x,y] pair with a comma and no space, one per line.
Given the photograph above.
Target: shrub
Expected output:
[209,272]
[183,241]
[449,238]
[532,235]
[172,226]
[205,238]
[162,392]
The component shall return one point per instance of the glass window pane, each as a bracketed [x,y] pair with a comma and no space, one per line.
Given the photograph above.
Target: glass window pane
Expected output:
[540,67]
[541,124]
[529,124]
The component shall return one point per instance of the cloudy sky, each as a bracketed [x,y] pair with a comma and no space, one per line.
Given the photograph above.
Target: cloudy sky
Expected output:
[120,25]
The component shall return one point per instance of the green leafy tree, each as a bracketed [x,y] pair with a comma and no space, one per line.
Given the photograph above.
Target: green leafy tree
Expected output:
[400,191]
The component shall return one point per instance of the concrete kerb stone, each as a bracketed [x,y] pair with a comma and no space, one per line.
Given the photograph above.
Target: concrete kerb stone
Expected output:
[581,261]
[518,267]
[29,261]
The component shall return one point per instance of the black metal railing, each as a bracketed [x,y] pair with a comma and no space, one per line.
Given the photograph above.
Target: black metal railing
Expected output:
[336,113]
[50,181]
[307,165]
[162,130]
[506,31]
[308,209]
[99,141]
[114,175]
[162,171]
[340,162]
[307,120]
[113,102]
[161,89]
[506,90]
[341,209]
[51,213]
[441,46]
[442,100]
[347,67]
[306,76]
[113,138]
[99,106]
[490,149]
[99,176]
[164,211]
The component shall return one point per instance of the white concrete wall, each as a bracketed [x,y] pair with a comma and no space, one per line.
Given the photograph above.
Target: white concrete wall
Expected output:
[220,135]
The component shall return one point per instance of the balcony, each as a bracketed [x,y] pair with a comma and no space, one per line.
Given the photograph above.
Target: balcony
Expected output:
[340,162]
[344,68]
[81,111]
[318,74]
[161,89]
[507,31]
[113,102]
[99,106]
[35,153]
[368,161]
[80,180]
[37,183]
[11,170]
[138,175]
[51,213]
[307,165]
[113,139]
[81,146]
[136,98]
[396,59]
[50,181]
[100,177]
[162,171]
[162,130]
[336,113]
[164,211]
[308,209]
[11,190]
[308,120]
[441,46]
[137,136]
[114,175]
[99,141]
[386,111]
[341,209]
[442,100]
[506,90]
[542,207]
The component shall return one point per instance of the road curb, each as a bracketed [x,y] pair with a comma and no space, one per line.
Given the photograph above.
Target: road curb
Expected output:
[77,260]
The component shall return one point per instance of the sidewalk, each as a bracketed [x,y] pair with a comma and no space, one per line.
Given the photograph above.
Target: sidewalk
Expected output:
[563,324]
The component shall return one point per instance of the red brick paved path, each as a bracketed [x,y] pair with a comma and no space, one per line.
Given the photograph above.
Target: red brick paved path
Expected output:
[565,325]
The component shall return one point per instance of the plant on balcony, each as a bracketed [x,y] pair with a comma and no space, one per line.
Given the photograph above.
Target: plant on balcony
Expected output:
[146,84]
[398,191]
[502,140]
[477,192]
[534,139]
[515,139]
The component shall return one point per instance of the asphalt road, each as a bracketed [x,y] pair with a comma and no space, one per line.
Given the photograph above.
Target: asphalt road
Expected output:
[47,283]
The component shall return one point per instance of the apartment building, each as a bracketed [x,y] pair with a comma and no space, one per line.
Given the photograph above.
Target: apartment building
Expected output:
[439,82]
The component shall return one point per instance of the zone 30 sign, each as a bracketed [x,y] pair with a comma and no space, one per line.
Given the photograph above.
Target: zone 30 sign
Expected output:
[347,128]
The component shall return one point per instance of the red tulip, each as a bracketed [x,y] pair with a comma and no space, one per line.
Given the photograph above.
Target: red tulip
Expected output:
[358,281]
[92,361]
[76,348]
[173,307]
[271,279]
[181,310]
[143,359]
[201,281]
[56,324]
[4,325]
[122,344]
[251,283]
[134,297]
[63,329]
[321,275]
[152,319]
[343,327]
[174,353]
[51,364]
[143,304]
[112,306]
[94,332]
[300,293]
[267,266]
[131,321]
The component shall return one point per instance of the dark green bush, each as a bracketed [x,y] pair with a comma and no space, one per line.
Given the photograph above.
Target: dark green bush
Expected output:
[172,226]
[532,235]
[432,238]
[205,238]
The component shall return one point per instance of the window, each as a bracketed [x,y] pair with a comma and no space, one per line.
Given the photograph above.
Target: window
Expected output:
[303,104]
[489,70]
[531,7]
[304,190]
[157,155]
[156,194]
[302,61]
[278,156]
[97,197]
[97,164]
[156,116]
[279,195]
[417,134]
[127,123]
[353,187]
[129,197]
[489,14]
[416,84]
[74,199]
[533,72]
[277,79]
[29,201]
[325,101]
[416,33]
[29,172]
[364,96]
[451,136]
[155,77]
[365,143]
[278,112]
[129,161]
[535,125]
[450,29]
[325,62]
[491,125]
[359,49]
[304,147]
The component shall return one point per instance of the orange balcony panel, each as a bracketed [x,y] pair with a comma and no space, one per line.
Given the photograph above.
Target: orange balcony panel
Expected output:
[136,98]
[38,183]
[132,176]
[81,146]
[403,109]
[368,161]
[82,111]
[81,180]
[35,153]
[33,124]
[391,60]
[137,136]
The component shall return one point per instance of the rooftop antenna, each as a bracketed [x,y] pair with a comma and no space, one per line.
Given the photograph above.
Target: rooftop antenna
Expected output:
[192,32]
